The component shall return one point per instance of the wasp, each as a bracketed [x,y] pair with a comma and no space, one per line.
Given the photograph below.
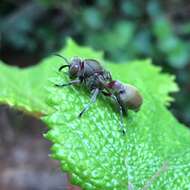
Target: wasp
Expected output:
[98,80]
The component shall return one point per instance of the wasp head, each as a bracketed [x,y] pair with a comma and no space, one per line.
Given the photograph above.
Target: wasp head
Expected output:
[74,67]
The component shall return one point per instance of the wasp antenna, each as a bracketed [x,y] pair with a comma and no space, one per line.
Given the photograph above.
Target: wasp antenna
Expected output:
[63,66]
[65,59]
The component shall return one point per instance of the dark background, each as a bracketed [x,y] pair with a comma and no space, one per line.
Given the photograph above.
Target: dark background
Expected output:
[124,29]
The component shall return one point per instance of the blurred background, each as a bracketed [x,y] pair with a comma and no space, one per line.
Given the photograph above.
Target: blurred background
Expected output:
[124,29]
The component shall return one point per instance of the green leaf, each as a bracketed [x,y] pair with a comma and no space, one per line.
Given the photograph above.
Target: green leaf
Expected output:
[92,149]
[26,88]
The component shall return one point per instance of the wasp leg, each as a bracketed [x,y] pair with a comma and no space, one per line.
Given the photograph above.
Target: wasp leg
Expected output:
[106,93]
[120,109]
[121,114]
[95,93]
[68,84]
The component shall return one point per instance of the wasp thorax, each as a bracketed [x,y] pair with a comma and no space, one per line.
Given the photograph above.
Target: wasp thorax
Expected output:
[74,67]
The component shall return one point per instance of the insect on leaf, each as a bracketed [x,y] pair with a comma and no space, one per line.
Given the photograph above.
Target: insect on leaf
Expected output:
[92,149]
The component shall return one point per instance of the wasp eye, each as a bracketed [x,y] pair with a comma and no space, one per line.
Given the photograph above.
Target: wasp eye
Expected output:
[73,70]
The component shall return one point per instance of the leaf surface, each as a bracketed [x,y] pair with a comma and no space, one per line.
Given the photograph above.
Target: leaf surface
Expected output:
[92,149]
